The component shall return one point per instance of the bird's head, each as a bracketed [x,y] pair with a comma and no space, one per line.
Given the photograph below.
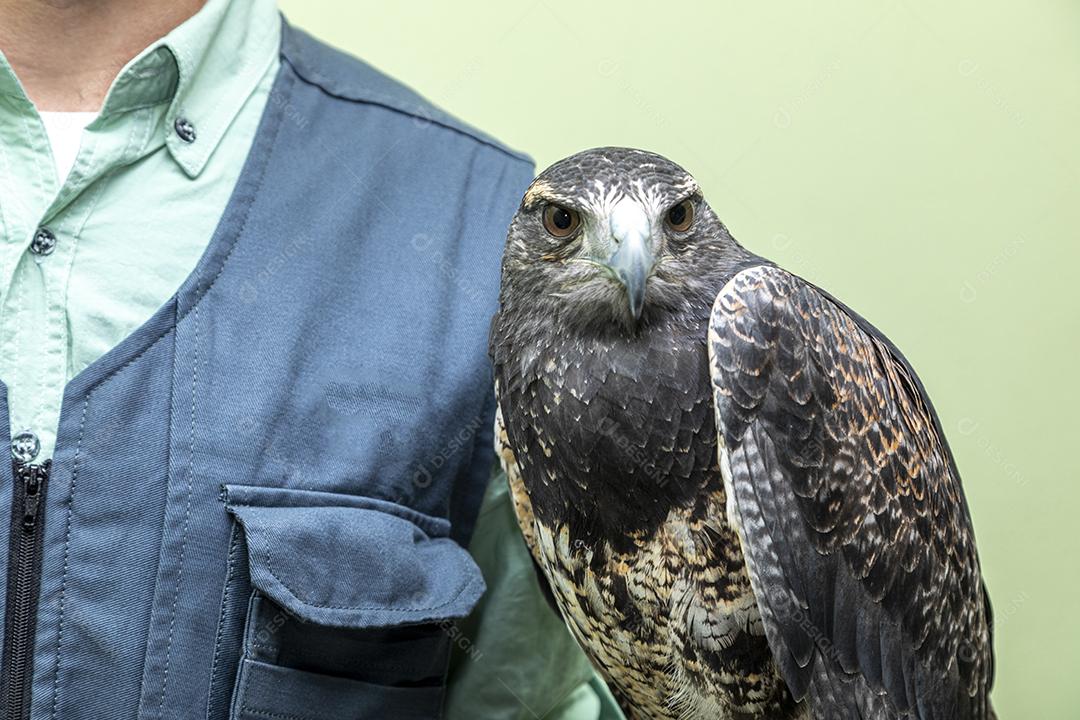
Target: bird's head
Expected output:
[614,236]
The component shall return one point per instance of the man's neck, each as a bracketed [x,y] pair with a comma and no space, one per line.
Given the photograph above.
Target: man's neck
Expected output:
[66,53]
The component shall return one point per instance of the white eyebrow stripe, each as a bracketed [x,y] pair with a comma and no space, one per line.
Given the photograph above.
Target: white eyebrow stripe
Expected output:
[601,198]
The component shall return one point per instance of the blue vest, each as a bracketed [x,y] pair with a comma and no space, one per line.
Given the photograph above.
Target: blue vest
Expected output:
[258,501]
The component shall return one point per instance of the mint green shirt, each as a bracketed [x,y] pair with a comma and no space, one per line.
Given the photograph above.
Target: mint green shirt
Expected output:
[86,260]
[138,207]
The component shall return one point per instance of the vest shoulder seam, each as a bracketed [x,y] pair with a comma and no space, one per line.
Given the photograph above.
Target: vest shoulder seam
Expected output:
[293,56]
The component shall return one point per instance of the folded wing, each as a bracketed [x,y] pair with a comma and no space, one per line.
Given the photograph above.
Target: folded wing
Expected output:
[849,508]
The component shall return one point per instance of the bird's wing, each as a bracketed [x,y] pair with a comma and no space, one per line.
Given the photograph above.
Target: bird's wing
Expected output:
[849,508]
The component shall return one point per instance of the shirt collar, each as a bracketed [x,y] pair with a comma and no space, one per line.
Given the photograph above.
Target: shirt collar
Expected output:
[205,69]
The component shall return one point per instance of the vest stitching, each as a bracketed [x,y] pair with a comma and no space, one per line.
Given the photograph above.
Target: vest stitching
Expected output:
[67,549]
[187,510]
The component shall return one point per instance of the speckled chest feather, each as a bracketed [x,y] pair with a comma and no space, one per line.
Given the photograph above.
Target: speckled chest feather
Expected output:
[611,453]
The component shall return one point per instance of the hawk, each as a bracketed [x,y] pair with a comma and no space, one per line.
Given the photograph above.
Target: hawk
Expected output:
[735,486]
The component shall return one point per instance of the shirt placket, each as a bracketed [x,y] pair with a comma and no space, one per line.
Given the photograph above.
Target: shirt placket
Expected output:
[26,159]
[33,318]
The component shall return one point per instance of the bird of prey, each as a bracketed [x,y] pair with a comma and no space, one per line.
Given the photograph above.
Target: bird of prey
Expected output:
[735,486]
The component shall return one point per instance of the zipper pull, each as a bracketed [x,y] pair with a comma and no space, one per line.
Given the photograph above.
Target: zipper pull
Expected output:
[32,476]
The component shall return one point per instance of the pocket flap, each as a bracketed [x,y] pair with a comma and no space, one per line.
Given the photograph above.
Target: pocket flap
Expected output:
[349,561]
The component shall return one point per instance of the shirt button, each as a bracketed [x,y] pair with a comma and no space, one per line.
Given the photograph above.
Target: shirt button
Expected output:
[25,446]
[44,242]
[184,129]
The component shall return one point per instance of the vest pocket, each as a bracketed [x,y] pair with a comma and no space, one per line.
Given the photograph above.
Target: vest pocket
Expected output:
[351,599]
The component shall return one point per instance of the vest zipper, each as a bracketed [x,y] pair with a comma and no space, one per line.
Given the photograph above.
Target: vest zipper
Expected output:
[23,586]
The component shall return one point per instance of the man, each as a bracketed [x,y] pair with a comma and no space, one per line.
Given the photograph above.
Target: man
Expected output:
[245,290]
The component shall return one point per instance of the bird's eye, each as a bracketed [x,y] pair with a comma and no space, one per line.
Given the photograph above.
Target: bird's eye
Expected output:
[561,222]
[681,216]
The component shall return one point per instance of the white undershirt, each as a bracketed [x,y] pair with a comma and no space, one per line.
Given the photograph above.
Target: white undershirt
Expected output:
[65,134]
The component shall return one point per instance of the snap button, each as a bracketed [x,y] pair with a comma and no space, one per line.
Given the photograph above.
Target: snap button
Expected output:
[184,129]
[25,446]
[44,242]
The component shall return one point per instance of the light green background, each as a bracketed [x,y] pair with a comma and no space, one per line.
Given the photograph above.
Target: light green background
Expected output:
[919,159]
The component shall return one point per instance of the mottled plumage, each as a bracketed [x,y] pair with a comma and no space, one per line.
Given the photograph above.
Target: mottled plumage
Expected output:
[736,487]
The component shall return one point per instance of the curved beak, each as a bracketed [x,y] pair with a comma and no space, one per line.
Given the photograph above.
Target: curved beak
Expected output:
[633,261]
